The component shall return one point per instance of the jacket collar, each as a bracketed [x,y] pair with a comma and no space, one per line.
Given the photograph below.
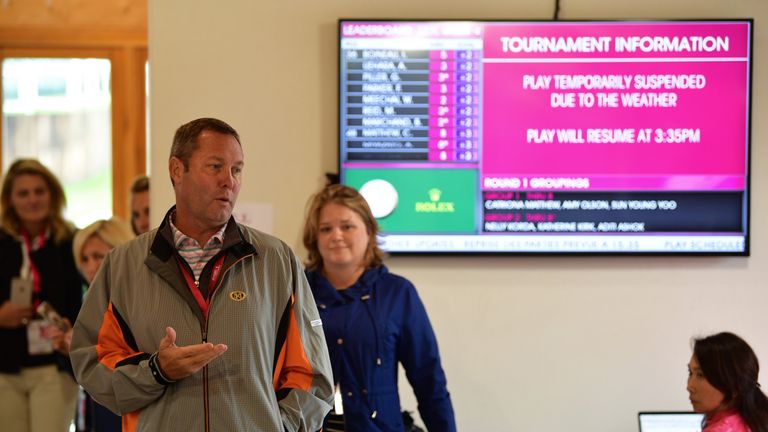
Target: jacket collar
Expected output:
[721,415]
[162,252]
[327,294]
[234,241]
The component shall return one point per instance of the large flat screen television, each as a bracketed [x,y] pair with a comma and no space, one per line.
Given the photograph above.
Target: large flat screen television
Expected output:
[557,137]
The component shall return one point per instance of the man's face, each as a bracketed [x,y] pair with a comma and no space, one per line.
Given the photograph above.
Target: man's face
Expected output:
[206,193]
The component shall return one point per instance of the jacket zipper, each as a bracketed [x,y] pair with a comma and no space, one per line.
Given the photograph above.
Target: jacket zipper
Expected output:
[205,383]
[206,407]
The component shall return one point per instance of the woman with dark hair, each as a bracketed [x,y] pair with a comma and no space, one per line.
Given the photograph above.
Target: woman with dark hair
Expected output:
[139,203]
[373,321]
[722,384]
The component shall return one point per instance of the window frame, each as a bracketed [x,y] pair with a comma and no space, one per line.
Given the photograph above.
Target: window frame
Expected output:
[128,55]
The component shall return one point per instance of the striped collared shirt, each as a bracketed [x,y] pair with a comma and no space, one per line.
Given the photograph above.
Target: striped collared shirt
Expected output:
[189,249]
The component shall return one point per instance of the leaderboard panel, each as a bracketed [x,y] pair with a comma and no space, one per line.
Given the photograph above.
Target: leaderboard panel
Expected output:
[549,137]
[411,104]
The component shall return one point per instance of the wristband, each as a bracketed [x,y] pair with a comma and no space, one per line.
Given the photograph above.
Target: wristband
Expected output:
[157,373]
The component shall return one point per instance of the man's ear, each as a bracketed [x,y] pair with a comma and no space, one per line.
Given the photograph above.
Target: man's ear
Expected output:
[176,169]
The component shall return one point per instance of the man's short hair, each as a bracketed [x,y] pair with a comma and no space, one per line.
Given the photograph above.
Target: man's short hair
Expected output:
[185,139]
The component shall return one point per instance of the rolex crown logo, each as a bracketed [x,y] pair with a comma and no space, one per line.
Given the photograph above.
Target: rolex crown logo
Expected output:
[434,194]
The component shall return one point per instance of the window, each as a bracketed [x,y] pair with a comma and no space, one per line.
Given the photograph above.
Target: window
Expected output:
[82,112]
[59,112]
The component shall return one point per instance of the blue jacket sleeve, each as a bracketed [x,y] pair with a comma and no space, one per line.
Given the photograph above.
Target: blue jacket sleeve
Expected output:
[418,352]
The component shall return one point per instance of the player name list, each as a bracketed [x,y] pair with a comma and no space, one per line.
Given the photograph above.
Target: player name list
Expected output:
[406,105]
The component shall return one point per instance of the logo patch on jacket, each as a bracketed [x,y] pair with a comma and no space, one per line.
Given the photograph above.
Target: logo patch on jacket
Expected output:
[238,295]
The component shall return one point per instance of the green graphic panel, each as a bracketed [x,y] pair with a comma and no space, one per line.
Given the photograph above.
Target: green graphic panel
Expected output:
[428,201]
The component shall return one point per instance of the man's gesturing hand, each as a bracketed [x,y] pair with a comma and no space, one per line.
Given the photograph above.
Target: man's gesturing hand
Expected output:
[180,362]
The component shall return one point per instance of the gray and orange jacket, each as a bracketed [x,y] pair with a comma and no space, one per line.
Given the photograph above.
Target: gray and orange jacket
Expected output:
[275,376]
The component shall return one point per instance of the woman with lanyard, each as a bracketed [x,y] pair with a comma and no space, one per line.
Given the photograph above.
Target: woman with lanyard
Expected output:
[372,320]
[37,266]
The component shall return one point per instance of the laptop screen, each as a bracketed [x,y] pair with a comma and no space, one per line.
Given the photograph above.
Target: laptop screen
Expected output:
[670,421]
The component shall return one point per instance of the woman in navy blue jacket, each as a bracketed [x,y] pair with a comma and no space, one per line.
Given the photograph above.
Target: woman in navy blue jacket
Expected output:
[372,319]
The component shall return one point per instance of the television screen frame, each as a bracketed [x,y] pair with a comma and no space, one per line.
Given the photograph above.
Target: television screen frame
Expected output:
[588,243]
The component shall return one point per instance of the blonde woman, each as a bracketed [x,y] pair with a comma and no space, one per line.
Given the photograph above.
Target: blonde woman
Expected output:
[90,246]
[93,242]
[36,391]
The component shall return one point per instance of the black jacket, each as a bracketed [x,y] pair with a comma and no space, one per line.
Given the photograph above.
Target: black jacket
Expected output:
[61,286]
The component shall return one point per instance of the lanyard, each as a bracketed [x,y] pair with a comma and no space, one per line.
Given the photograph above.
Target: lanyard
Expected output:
[203,303]
[28,267]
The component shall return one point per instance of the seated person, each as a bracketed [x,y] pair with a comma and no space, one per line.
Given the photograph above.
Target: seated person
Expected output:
[722,384]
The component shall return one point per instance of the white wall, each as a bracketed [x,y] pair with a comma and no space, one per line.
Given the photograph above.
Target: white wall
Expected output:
[528,344]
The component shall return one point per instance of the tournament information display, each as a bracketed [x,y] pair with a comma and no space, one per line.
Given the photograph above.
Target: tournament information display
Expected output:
[549,137]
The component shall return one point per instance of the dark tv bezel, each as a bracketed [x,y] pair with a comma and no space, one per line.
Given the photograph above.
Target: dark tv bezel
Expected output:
[748,189]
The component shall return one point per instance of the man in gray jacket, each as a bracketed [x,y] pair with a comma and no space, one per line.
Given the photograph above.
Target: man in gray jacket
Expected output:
[204,324]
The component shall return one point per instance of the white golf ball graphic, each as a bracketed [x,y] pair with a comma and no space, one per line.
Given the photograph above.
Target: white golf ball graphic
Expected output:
[381,196]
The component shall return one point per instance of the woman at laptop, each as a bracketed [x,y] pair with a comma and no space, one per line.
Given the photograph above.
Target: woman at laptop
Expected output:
[722,384]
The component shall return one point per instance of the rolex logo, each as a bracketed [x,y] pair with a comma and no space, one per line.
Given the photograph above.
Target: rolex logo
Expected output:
[434,205]
[434,194]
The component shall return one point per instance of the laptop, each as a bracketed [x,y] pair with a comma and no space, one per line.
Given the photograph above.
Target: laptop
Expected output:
[670,421]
